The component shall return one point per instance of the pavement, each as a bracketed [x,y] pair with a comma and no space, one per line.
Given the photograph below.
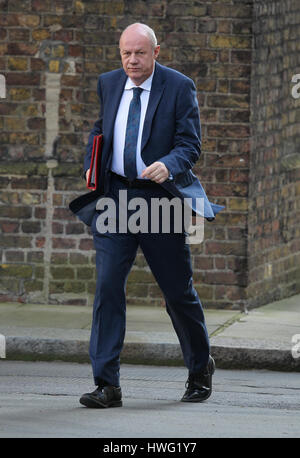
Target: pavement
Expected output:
[267,337]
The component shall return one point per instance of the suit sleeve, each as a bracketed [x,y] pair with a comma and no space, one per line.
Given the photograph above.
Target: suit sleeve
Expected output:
[96,130]
[187,138]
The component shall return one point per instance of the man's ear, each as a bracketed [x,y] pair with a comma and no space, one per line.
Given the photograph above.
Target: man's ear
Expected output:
[156,51]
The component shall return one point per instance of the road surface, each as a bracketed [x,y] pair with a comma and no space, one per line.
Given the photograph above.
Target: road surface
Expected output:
[41,399]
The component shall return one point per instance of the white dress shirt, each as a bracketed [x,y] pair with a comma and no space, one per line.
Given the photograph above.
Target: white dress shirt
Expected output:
[117,165]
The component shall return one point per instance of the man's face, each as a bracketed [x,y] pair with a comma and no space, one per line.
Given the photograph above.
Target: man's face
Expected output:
[138,55]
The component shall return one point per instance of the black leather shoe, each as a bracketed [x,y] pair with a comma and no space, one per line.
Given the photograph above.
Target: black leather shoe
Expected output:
[199,385]
[102,397]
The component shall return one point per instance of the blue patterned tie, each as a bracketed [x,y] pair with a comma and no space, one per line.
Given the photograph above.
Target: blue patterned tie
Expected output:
[132,130]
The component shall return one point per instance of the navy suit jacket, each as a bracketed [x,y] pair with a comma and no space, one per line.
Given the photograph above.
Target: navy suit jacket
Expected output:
[171,134]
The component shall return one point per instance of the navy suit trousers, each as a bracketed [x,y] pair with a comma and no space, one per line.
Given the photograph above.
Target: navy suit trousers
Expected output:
[168,257]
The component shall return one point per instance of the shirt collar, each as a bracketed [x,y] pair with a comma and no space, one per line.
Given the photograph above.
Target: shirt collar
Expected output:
[146,85]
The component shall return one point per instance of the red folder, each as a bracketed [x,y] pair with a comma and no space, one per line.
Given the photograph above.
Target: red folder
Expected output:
[92,181]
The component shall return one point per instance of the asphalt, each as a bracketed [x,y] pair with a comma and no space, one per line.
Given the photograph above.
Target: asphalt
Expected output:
[267,337]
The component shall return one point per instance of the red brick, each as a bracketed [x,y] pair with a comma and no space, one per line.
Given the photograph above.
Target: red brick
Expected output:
[233,131]
[225,248]
[42,5]
[221,189]
[14,256]
[231,292]
[203,263]
[37,64]
[8,20]
[63,35]
[36,123]
[228,101]
[40,242]
[23,79]
[220,263]
[57,228]
[70,80]
[76,50]
[241,176]
[86,244]
[31,227]
[19,35]
[15,212]
[63,214]
[74,228]
[40,212]
[33,183]
[63,243]
[22,49]
[7,226]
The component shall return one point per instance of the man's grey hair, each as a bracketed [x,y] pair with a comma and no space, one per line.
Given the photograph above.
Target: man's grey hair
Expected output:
[147,30]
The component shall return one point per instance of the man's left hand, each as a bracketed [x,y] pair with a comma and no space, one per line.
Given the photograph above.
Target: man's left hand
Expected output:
[157,172]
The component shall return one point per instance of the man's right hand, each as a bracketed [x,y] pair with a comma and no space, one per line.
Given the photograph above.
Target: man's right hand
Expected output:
[87,173]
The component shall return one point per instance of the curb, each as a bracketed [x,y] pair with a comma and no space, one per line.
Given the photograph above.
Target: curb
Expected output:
[230,357]
[226,357]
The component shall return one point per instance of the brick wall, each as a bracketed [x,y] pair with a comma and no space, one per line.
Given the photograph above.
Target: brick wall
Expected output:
[274,204]
[51,53]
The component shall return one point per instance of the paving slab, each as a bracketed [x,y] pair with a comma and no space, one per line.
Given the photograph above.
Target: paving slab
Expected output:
[263,337]
[47,316]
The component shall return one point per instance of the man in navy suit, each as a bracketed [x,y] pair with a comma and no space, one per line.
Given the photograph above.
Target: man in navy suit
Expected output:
[149,119]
